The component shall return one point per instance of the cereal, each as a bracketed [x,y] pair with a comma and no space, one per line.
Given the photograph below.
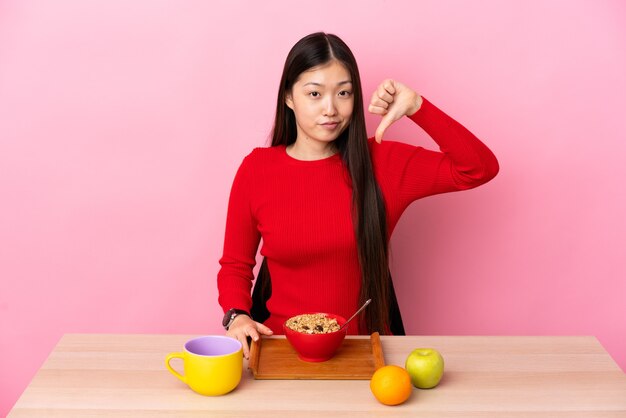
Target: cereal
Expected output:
[313,324]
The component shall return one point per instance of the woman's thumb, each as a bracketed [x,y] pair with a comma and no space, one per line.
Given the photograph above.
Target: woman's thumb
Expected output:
[385,123]
[264,330]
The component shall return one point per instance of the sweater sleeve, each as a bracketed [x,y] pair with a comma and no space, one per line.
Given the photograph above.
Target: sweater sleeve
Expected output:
[410,172]
[241,241]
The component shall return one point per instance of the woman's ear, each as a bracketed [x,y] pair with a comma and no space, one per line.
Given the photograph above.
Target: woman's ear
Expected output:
[289,100]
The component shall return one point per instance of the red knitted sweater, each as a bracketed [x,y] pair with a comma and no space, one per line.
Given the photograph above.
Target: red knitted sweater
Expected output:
[301,211]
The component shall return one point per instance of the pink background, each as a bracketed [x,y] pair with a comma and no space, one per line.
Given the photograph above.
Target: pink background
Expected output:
[122,125]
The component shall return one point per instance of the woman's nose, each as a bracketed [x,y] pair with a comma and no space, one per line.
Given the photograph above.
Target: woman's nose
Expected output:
[329,107]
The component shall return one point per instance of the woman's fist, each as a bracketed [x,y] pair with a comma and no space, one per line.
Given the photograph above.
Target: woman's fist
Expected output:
[392,100]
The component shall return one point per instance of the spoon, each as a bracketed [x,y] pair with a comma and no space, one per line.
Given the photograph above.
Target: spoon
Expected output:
[367,302]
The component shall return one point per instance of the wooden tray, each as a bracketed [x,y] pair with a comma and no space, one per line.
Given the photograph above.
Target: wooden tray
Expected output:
[356,359]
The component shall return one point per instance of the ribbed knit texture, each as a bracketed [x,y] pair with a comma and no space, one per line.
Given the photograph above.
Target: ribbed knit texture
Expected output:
[301,209]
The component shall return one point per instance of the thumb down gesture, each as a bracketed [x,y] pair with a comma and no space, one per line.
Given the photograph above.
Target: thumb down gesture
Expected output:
[392,100]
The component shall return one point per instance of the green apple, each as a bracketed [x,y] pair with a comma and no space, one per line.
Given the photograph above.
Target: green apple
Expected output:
[425,366]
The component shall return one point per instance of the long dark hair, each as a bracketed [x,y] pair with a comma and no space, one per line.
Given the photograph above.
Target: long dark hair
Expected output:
[368,209]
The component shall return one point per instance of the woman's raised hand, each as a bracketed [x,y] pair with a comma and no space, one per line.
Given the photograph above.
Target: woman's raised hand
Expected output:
[243,327]
[392,100]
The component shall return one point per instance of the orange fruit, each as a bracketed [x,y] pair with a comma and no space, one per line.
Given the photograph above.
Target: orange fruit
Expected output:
[391,385]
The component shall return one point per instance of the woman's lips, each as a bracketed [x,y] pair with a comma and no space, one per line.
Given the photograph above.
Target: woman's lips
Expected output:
[330,126]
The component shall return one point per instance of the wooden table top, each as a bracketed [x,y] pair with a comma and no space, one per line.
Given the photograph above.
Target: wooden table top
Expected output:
[96,375]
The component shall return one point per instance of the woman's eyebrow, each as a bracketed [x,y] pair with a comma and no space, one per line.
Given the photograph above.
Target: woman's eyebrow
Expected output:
[313,83]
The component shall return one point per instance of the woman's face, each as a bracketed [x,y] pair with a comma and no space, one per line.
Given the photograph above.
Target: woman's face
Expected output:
[322,102]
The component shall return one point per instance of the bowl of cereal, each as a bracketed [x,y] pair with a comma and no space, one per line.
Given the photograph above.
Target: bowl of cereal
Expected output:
[315,336]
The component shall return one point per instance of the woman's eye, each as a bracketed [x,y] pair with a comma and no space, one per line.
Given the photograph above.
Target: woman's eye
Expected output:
[345,93]
[314,94]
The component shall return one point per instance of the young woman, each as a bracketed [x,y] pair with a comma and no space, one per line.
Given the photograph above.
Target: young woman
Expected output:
[325,199]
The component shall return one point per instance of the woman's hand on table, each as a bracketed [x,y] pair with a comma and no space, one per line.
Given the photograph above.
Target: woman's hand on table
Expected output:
[243,327]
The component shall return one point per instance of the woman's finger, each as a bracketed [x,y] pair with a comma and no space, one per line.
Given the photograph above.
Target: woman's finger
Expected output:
[263,329]
[244,343]
[377,110]
[382,127]
[389,86]
[252,332]
[381,108]
[385,92]
[376,101]
[388,119]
